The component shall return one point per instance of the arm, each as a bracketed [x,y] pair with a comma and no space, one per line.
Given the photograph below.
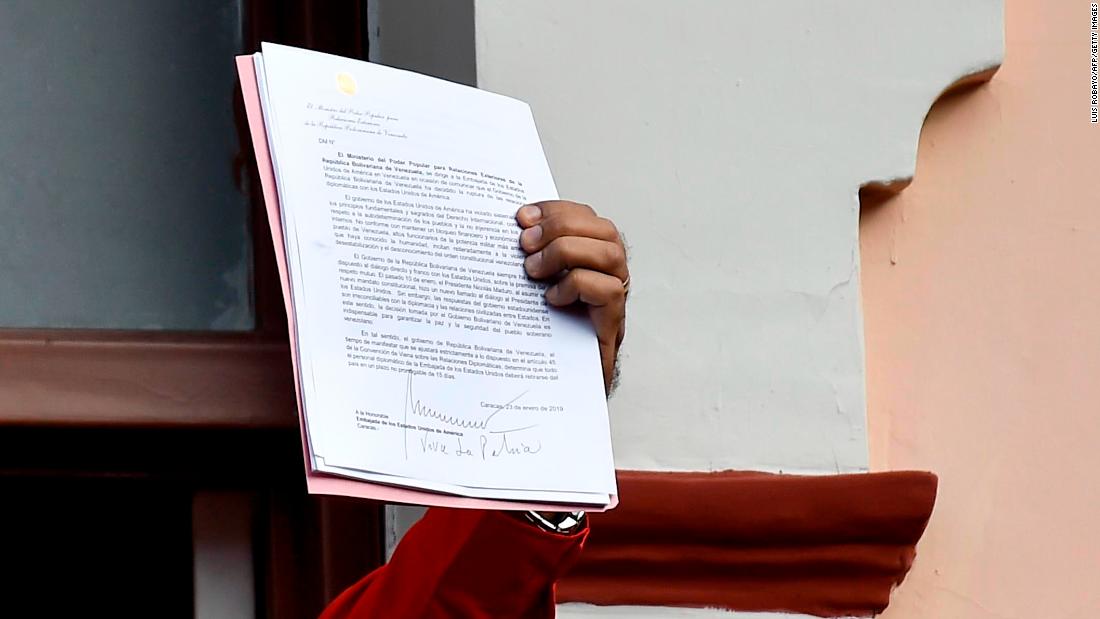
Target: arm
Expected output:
[464,564]
[468,564]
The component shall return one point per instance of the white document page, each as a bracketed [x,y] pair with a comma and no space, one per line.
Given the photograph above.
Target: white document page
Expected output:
[426,353]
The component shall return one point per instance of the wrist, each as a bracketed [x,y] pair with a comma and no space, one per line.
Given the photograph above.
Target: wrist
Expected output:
[561,523]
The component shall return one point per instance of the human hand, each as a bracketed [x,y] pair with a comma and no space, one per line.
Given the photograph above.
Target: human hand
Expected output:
[583,254]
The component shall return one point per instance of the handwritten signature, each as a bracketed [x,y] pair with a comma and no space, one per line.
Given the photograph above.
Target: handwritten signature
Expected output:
[491,443]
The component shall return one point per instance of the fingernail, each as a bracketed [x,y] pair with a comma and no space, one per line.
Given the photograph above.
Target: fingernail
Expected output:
[531,212]
[531,235]
[552,293]
[533,262]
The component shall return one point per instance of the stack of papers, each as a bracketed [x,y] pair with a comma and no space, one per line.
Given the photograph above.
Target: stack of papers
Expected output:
[429,368]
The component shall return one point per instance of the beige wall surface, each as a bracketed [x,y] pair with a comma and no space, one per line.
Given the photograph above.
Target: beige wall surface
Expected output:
[982,305]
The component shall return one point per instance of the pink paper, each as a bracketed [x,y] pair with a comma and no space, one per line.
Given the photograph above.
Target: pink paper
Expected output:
[318,482]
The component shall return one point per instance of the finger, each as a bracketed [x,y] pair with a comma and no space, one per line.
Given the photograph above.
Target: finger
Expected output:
[567,224]
[587,286]
[530,214]
[609,339]
[602,293]
[575,252]
[606,299]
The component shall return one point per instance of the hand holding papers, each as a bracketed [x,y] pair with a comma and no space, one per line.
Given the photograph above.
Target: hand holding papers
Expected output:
[430,368]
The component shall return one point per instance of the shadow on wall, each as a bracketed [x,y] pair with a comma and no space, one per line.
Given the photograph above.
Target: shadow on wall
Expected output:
[872,196]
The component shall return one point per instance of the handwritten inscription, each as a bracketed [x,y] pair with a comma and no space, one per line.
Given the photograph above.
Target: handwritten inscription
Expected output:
[352,120]
[492,443]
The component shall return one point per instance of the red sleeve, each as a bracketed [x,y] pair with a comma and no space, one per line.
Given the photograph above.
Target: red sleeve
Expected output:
[464,564]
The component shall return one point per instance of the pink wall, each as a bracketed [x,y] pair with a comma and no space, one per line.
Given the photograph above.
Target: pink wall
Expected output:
[982,295]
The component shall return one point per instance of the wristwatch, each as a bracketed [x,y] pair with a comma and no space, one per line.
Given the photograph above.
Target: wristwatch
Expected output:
[563,523]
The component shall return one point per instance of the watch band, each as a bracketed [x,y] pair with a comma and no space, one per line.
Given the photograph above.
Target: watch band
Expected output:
[562,523]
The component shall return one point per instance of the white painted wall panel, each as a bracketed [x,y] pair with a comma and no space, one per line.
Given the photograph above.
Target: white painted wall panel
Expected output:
[729,140]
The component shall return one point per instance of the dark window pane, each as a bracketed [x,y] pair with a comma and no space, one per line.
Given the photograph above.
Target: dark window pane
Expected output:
[119,206]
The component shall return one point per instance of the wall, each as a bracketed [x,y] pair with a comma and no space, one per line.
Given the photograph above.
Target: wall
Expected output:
[729,141]
[979,287]
[982,301]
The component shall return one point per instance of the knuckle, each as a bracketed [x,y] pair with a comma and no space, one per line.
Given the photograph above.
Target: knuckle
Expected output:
[615,254]
[554,227]
[550,207]
[619,293]
[612,229]
[569,285]
[616,298]
[582,279]
[566,249]
[553,255]
[568,290]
